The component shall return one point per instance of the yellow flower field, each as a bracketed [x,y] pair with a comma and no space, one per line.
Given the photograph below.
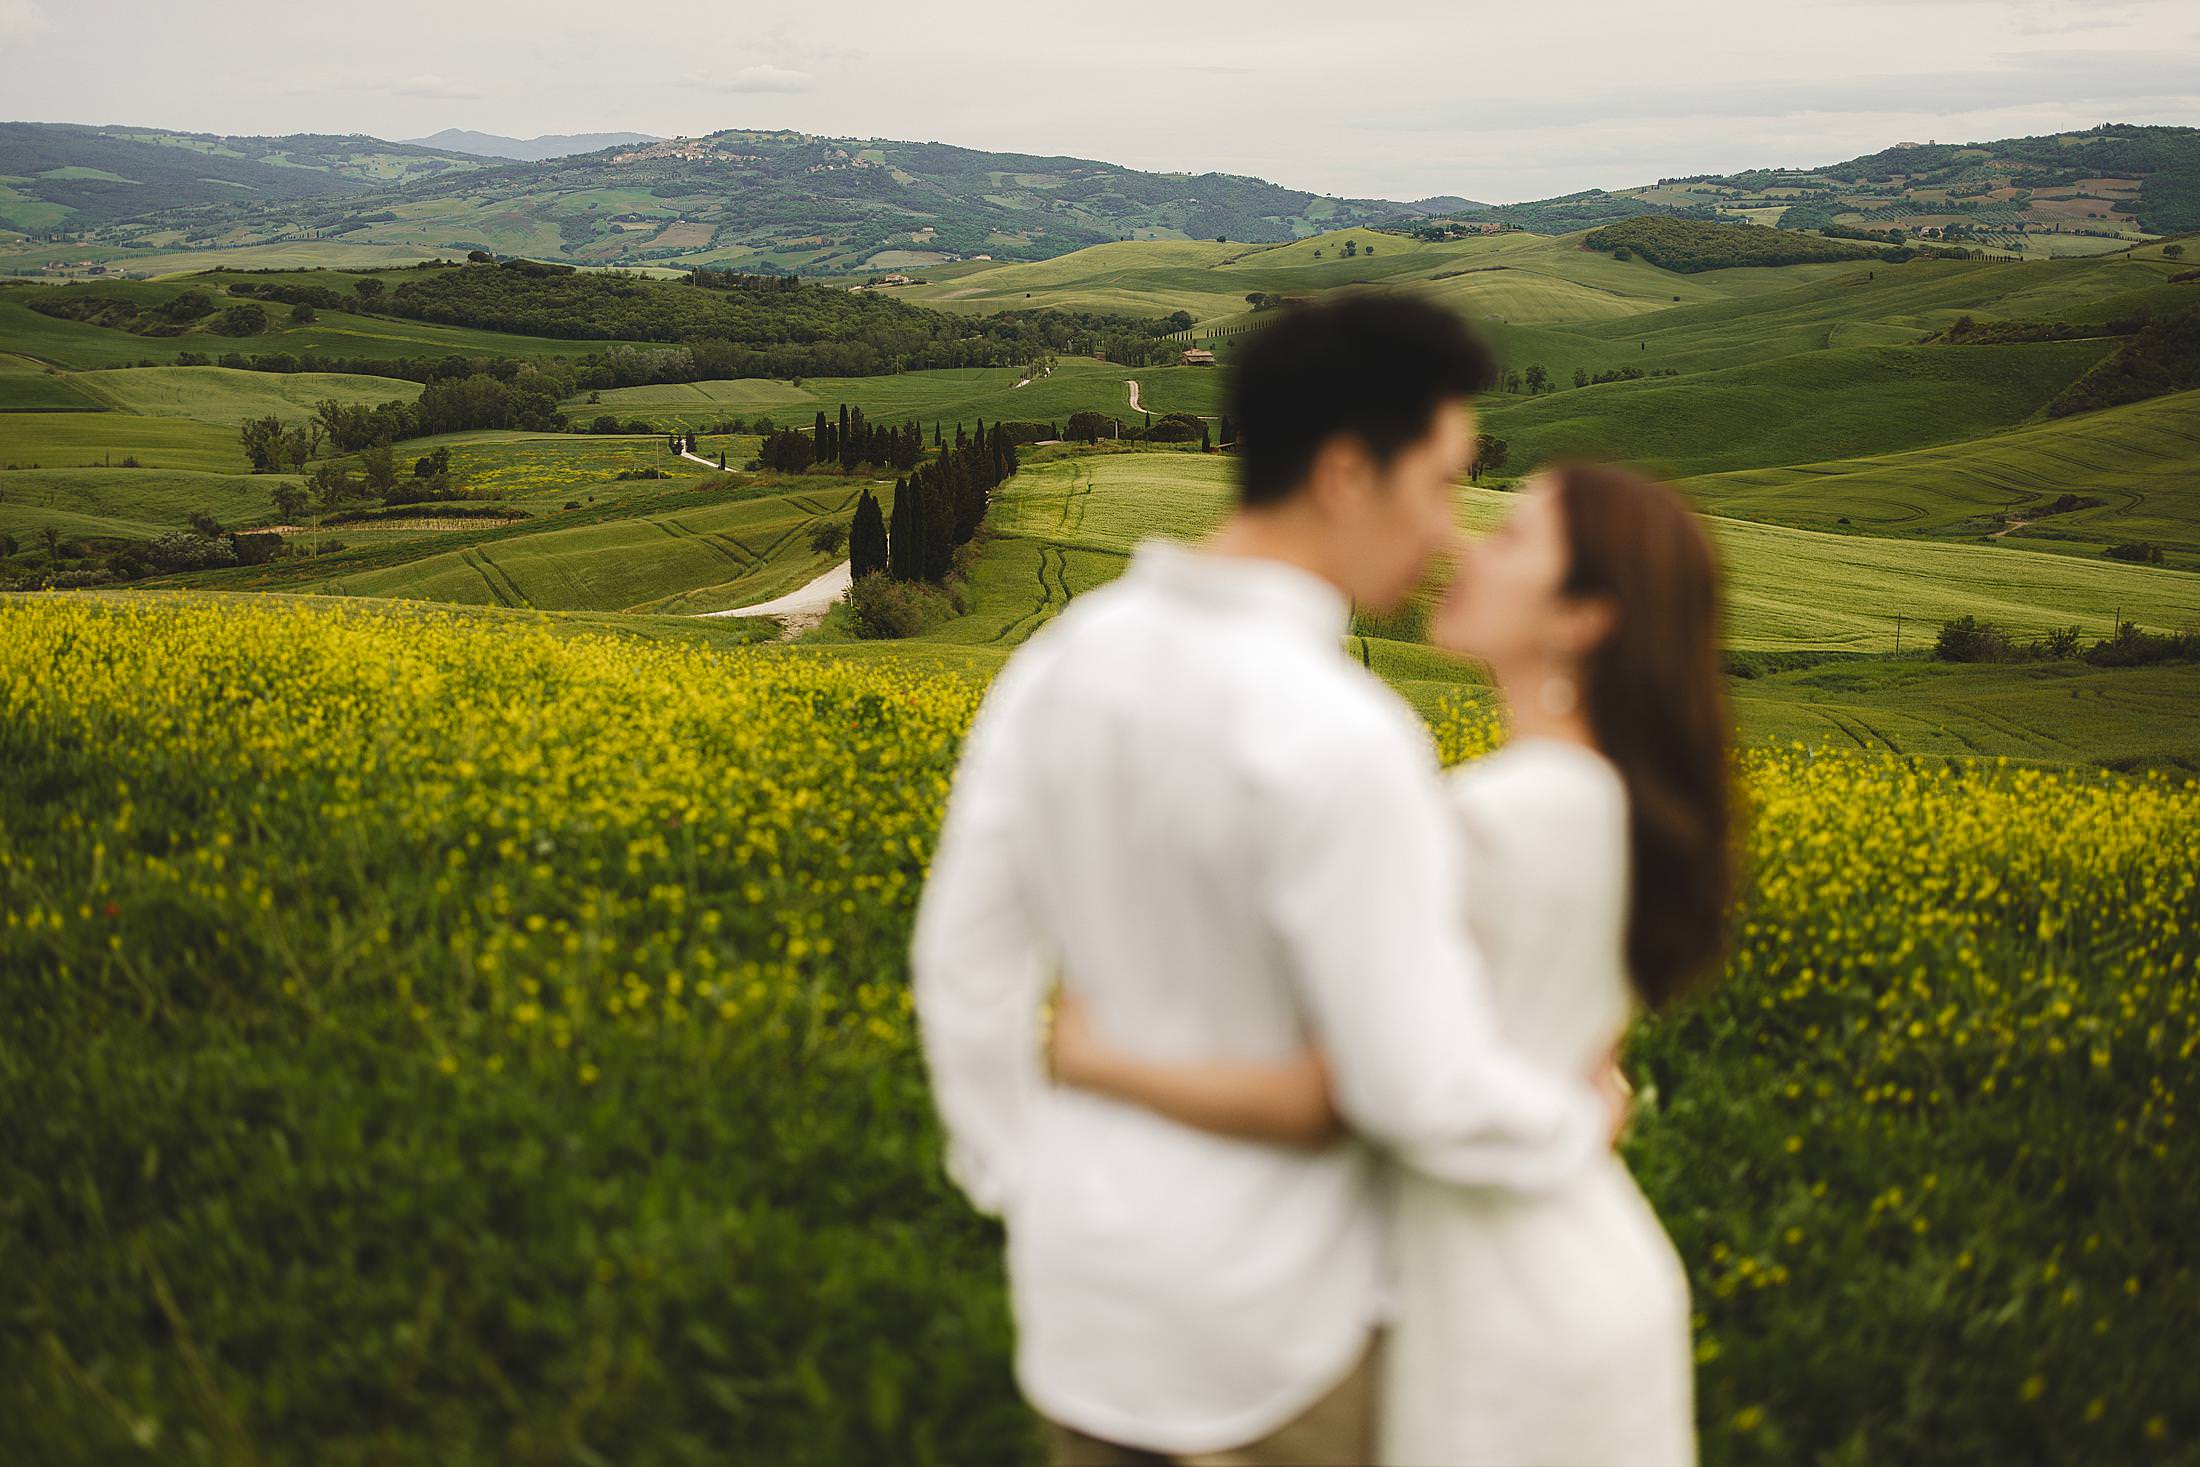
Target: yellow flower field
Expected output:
[429,1040]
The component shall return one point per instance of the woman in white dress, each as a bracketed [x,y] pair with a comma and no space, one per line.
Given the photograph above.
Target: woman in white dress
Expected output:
[1550,1328]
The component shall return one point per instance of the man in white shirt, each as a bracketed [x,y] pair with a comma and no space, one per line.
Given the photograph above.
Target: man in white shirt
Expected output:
[1186,794]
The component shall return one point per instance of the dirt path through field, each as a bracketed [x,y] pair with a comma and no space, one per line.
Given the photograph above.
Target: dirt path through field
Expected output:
[800,609]
[1133,386]
[705,462]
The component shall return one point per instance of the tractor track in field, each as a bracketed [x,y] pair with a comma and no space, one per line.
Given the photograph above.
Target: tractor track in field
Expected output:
[500,582]
[1045,606]
[1827,713]
[712,543]
[2003,723]
[1076,498]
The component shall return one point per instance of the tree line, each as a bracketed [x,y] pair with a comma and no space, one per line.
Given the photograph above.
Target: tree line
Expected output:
[744,325]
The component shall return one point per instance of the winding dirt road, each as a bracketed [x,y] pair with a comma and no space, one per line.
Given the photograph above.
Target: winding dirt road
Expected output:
[803,607]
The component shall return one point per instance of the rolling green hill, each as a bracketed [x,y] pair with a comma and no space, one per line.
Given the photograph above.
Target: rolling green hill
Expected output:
[2139,465]
[228,397]
[1066,524]
[701,547]
[1807,406]
[29,386]
[132,504]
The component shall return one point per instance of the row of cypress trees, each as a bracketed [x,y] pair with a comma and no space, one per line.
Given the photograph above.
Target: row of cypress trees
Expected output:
[936,508]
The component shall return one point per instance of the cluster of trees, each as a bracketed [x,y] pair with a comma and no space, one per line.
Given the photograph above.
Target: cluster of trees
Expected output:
[937,508]
[187,310]
[2162,356]
[1584,378]
[168,317]
[1968,639]
[855,440]
[520,399]
[1686,246]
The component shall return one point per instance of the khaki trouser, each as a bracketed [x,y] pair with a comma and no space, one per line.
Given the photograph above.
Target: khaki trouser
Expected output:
[1336,1431]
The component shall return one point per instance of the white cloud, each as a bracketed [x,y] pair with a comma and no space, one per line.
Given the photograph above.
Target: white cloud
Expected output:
[760,78]
[22,21]
[441,88]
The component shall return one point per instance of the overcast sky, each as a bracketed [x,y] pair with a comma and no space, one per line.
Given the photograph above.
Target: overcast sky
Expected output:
[1384,98]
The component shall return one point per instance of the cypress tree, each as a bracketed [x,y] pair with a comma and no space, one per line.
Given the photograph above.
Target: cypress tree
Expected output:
[867,538]
[901,549]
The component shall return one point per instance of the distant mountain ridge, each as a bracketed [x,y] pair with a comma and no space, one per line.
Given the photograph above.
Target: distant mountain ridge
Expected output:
[528,150]
[786,201]
[67,175]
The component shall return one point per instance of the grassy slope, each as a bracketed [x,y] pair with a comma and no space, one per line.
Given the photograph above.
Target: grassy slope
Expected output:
[226,396]
[134,504]
[72,440]
[1066,523]
[2143,459]
[1809,406]
[640,546]
[2053,711]
[26,386]
[78,345]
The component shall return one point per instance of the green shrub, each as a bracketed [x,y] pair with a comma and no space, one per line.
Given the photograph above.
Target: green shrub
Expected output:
[884,607]
[2138,552]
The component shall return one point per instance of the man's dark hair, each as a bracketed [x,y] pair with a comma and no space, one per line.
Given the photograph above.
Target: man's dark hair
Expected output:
[1372,366]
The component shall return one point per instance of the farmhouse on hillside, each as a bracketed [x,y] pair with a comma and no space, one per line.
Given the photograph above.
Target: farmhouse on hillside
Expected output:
[1198,356]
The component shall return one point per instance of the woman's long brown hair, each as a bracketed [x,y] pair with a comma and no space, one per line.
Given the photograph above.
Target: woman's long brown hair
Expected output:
[1656,699]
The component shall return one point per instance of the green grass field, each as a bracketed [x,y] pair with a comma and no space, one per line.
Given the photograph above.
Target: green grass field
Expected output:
[2052,712]
[1525,278]
[50,440]
[2142,460]
[945,396]
[1802,408]
[227,397]
[27,386]
[84,347]
[132,504]
[1065,523]
[702,546]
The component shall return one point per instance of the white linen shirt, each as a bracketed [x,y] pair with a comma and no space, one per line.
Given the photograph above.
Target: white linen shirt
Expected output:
[1184,796]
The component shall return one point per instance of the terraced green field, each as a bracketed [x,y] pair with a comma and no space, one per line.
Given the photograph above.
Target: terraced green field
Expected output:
[2141,460]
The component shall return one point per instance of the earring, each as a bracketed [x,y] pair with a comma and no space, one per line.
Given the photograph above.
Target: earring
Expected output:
[1558,696]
